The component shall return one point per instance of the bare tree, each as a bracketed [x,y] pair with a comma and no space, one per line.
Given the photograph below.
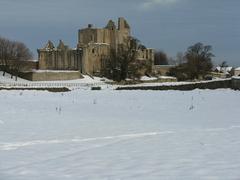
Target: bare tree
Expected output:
[199,60]
[180,58]
[5,53]
[12,53]
[21,53]
[123,60]
[223,64]
[198,63]
[160,58]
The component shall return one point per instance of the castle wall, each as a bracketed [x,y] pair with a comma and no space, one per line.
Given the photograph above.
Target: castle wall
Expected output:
[51,75]
[145,54]
[59,59]
[94,57]
[88,35]
[124,30]
[109,35]
[162,69]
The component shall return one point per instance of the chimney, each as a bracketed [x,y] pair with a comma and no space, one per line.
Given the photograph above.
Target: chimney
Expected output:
[90,26]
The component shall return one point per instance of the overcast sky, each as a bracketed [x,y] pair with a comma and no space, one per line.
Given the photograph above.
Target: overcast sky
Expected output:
[169,25]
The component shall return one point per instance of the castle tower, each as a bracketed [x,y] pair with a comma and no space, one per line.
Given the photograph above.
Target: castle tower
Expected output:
[111,34]
[124,30]
[111,25]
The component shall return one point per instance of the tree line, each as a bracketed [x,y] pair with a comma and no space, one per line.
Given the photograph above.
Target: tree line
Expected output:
[123,62]
[11,55]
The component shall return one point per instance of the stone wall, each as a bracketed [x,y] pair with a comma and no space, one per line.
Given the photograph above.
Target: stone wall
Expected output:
[111,34]
[51,76]
[161,69]
[236,83]
[59,58]
[54,89]
[237,72]
[145,54]
[186,87]
[94,57]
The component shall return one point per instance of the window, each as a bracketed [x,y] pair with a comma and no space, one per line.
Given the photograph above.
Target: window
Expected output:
[92,37]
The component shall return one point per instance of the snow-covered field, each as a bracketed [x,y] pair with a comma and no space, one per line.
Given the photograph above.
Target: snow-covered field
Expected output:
[110,134]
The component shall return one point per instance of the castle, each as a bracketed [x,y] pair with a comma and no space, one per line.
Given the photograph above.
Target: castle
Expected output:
[92,51]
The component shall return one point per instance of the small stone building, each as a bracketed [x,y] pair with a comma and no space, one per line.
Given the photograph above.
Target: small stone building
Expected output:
[162,69]
[237,71]
[92,51]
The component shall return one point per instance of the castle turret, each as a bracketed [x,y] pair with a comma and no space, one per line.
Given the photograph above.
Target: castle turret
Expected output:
[61,45]
[49,45]
[111,25]
[123,24]
[124,30]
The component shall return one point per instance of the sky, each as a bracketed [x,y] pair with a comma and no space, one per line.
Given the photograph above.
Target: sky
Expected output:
[168,25]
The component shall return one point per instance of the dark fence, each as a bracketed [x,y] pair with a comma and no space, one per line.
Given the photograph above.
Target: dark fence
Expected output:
[227,83]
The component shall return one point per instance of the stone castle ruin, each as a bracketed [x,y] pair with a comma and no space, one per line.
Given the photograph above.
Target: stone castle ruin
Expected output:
[93,48]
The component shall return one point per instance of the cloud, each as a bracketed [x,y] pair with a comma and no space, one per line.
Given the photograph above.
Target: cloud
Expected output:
[148,4]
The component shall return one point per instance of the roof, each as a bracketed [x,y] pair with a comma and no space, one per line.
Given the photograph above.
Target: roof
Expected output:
[49,45]
[224,69]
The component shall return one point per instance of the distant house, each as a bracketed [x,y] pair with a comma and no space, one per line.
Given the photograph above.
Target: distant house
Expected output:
[237,71]
[227,71]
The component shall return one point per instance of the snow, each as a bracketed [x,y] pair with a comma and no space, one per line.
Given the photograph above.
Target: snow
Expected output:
[167,77]
[86,79]
[224,69]
[85,83]
[110,134]
[53,71]
[7,78]
[171,83]
[146,78]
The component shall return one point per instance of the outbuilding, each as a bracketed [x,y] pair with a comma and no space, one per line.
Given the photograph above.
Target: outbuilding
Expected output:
[237,71]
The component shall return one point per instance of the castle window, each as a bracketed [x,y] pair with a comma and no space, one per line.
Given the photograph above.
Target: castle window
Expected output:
[93,51]
[92,38]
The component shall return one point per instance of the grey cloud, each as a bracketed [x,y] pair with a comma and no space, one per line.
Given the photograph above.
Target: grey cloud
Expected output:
[171,26]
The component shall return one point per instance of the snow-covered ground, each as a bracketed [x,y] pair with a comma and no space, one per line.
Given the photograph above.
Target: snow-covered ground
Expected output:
[86,79]
[110,134]
[7,78]
[84,83]
[172,83]
[146,78]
